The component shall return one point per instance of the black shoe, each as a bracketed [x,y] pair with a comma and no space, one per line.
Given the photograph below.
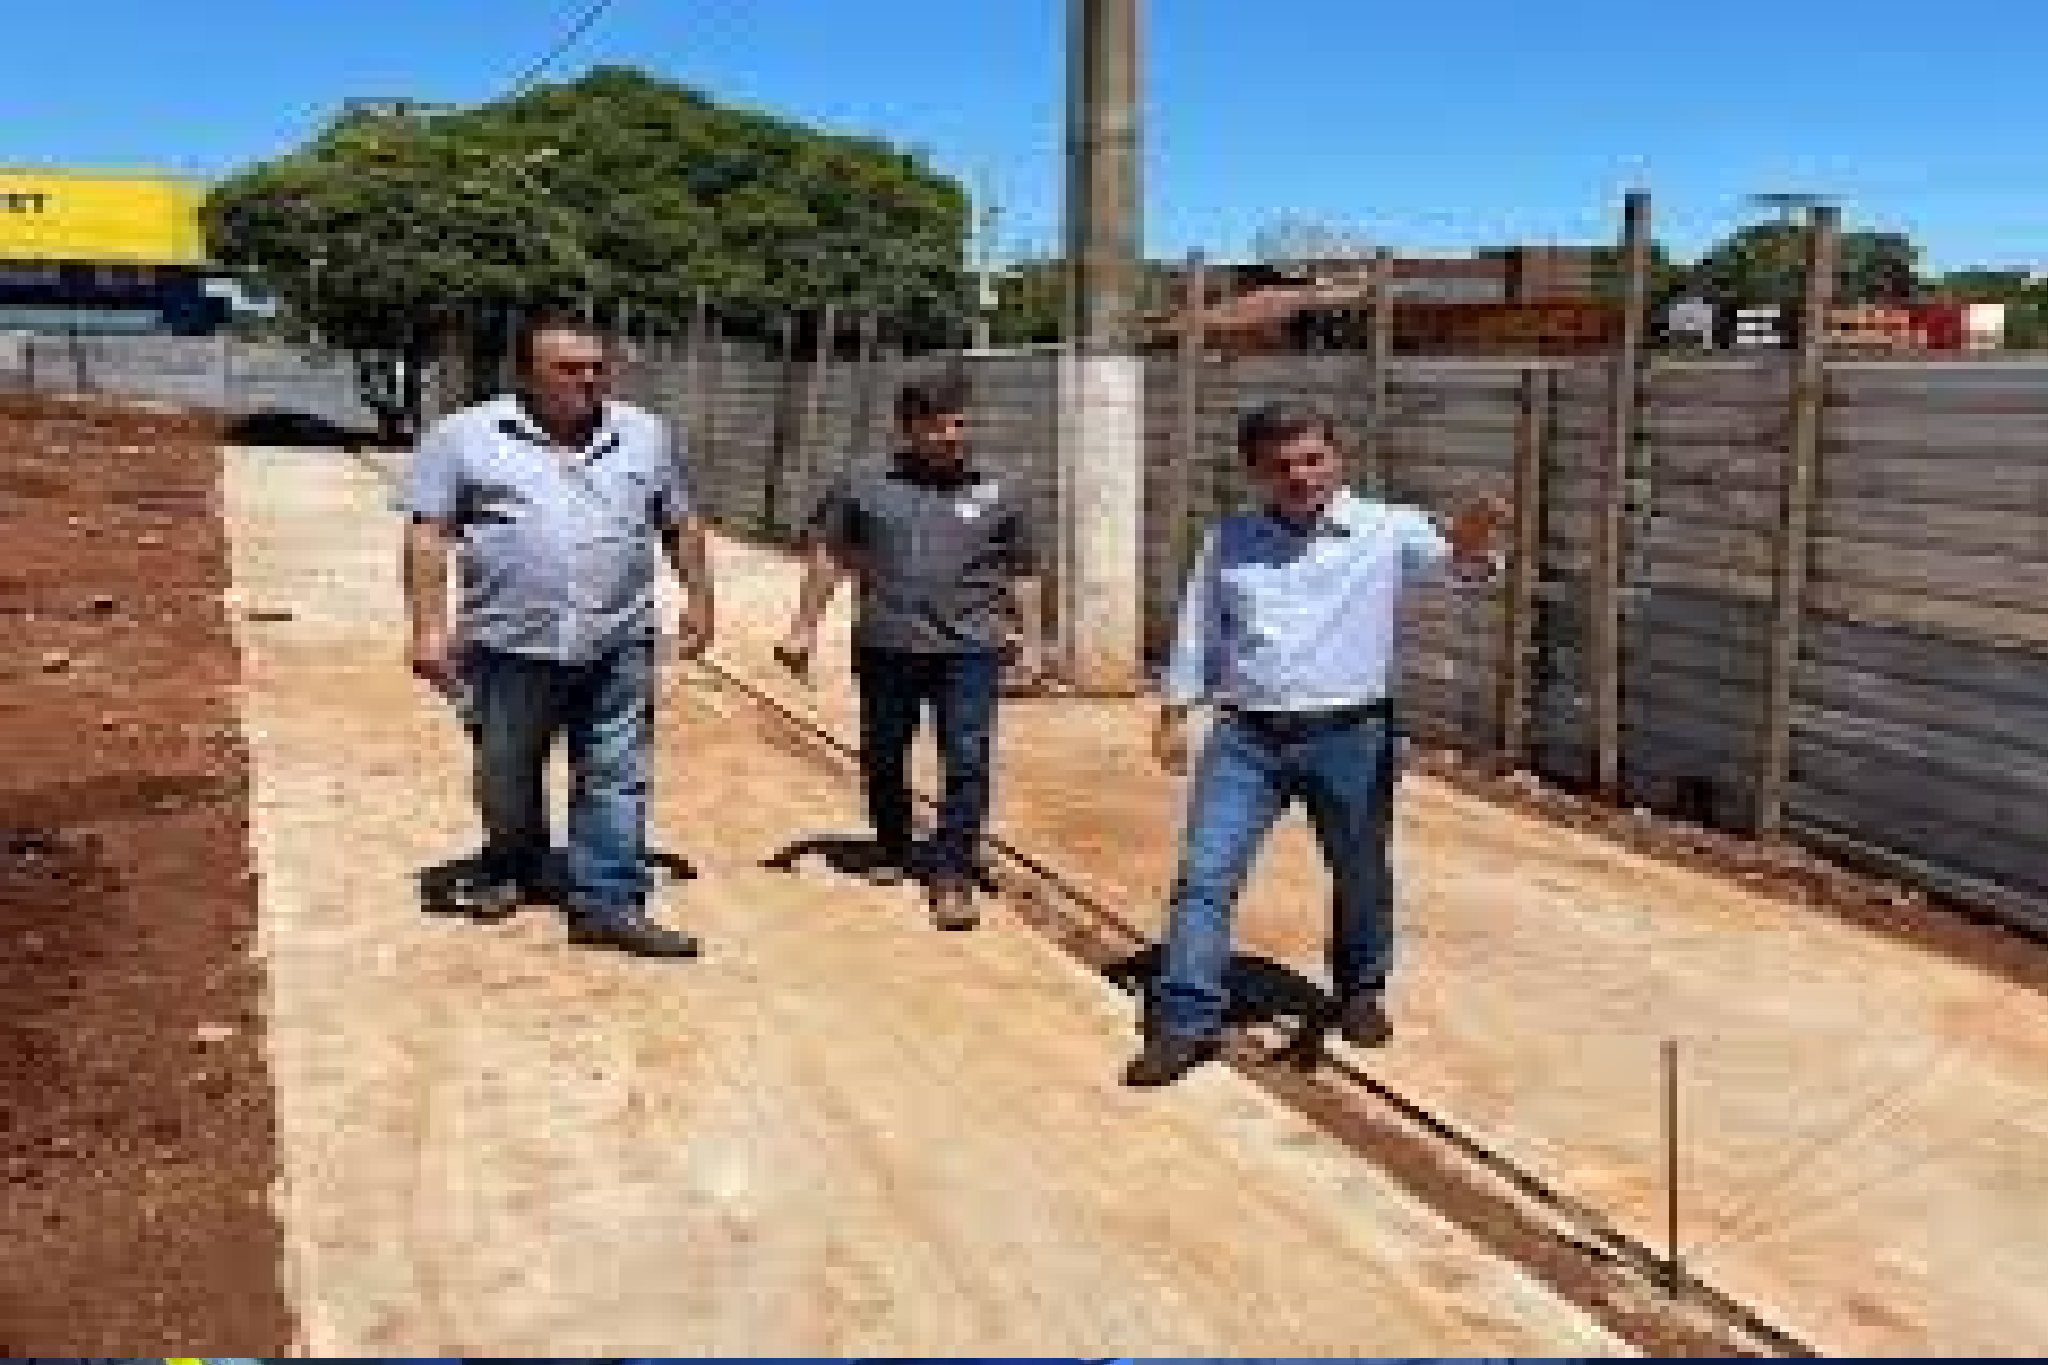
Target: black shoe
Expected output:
[481,898]
[635,934]
[888,867]
[1166,1058]
[1362,1020]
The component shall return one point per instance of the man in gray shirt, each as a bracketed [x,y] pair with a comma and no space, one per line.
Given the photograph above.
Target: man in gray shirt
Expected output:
[553,497]
[945,560]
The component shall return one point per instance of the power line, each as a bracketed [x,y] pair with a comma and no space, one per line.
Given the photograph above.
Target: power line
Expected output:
[584,23]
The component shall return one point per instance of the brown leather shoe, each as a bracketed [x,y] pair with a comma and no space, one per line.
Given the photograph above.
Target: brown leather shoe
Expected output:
[1166,1058]
[1362,1021]
[952,902]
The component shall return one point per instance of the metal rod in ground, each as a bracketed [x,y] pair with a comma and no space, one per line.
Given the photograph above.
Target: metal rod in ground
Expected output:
[1674,1268]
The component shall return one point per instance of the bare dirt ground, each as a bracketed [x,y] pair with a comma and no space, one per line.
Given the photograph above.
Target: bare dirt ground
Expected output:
[842,1133]
[1864,1097]
[135,1122]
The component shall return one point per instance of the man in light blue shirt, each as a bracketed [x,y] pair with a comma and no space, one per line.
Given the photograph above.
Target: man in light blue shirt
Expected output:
[1288,629]
[553,500]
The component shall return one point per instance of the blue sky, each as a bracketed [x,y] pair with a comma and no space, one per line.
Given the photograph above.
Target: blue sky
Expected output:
[1429,126]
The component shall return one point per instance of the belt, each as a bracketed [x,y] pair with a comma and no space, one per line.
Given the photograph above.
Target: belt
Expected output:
[1311,722]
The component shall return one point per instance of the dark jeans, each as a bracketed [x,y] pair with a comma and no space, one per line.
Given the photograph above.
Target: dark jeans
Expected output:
[1250,772]
[895,686]
[605,711]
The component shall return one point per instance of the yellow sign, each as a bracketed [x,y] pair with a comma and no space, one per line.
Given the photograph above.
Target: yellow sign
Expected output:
[117,219]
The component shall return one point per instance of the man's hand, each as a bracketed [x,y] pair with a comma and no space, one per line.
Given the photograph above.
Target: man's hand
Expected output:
[794,653]
[1170,740]
[694,631]
[433,656]
[1475,532]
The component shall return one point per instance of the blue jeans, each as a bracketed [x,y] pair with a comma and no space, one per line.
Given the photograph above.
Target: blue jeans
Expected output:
[605,711]
[895,685]
[1250,772]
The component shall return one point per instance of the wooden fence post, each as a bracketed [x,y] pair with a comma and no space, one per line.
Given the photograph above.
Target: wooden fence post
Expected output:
[809,456]
[866,384]
[1605,634]
[1187,442]
[1795,520]
[775,469]
[697,388]
[1532,431]
[1379,357]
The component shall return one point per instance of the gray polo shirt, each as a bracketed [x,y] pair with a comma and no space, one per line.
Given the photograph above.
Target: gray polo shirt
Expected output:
[935,555]
[558,547]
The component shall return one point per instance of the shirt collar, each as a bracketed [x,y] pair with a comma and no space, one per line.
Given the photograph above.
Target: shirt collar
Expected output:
[907,468]
[514,419]
[1342,515]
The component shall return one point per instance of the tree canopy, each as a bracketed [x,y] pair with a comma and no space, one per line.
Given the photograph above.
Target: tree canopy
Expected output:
[1766,263]
[618,187]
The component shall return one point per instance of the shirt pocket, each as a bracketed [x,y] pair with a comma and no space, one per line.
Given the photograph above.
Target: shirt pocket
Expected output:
[492,502]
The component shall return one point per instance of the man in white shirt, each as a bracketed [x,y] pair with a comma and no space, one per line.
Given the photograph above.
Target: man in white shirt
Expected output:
[1287,628]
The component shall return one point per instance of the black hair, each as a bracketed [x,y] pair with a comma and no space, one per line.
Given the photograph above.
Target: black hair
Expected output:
[1272,424]
[941,397]
[547,319]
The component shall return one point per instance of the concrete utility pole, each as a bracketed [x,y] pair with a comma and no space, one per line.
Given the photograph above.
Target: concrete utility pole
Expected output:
[1101,378]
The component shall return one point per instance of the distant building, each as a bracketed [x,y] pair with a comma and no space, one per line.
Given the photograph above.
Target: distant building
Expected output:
[1542,274]
[1690,322]
[1984,326]
[82,252]
[391,108]
[1506,300]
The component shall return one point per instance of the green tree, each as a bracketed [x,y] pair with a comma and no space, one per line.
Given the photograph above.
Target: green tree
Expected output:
[617,187]
[1979,285]
[1766,263]
[1668,279]
[1031,302]
[2026,320]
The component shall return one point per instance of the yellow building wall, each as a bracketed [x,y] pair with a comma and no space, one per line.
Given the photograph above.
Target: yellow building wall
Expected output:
[79,216]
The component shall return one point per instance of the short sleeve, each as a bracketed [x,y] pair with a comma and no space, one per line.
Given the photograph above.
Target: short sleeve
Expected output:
[433,482]
[835,518]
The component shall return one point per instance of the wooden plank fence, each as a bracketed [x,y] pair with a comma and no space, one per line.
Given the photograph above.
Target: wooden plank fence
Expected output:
[1916,734]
